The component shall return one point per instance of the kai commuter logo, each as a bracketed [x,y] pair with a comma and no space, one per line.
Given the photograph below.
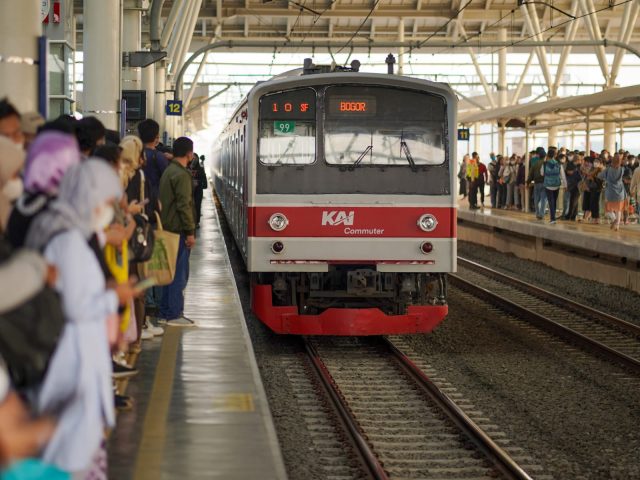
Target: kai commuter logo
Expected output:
[337,217]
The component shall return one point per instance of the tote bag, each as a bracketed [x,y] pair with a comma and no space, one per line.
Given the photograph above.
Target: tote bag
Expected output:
[162,264]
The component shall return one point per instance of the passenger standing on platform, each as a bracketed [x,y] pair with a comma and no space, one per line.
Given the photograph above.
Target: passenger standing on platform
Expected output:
[595,185]
[510,174]
[537,177]
[10,125]
[614,191]
[502,182]
[626,180]
[176,197]
[11,162]
[156,162]
[199,182]
[572,193]
[520,183]
[494,169]
[50,156]
[462,177]
[634,189]
[77,387]
[91,134]
[554,178]
[483,178]
[473,173]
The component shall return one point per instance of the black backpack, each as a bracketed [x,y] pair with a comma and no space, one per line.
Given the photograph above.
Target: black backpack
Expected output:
[29,333]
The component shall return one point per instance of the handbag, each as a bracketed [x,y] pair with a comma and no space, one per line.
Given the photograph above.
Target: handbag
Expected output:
[141,242]
[162,264]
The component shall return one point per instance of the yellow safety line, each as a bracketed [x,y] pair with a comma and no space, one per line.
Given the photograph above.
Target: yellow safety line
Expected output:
[151,449]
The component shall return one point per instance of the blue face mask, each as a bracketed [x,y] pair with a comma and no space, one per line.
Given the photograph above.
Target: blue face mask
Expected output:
[493,157]
[33,469]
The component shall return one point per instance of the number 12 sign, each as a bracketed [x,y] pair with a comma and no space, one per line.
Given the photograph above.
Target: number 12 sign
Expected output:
[174,107]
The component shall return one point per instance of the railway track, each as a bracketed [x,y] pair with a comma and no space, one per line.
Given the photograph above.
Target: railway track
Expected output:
[402,425]
[593,330]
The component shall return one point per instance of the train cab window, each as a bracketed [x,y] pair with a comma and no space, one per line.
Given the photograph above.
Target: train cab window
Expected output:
[367,125]
[287,128]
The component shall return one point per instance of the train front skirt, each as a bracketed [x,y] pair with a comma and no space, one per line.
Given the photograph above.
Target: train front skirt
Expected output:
[344,321]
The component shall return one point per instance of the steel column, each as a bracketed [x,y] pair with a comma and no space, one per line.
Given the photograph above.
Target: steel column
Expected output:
[609,133]
[131,38]
[20,27]
[176,8]
[148,84]
[516,95]
[631,16]
[102,61]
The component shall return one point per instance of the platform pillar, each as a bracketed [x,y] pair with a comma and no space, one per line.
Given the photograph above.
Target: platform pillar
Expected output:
[476,137]
[102,61]
[161,95]
[131,36]
[502,89]
[553,137]
[20,27]
[609,133]
[148,84]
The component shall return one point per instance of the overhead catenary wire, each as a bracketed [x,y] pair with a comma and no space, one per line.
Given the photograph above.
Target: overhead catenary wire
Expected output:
[420,44]
[561,24]
[373,7]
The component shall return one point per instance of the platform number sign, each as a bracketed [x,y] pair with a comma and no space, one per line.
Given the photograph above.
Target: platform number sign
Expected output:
[463,134]
[174,108]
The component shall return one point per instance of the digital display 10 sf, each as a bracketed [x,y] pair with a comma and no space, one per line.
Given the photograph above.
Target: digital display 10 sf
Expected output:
[297,104]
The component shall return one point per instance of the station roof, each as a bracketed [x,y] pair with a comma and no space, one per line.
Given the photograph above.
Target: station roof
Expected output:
[365,22]
[621,104]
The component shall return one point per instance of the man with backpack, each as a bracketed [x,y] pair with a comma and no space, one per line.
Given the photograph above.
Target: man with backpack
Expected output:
[155,161]
[554,178]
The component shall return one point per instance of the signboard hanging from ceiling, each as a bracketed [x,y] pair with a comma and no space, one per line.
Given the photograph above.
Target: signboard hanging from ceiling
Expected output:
[463,134]
[174,108]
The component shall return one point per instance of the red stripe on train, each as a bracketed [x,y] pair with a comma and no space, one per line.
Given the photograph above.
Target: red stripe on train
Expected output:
[347,222]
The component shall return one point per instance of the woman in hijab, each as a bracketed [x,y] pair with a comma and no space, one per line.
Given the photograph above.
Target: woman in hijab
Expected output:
[11,162]
[77,387]
[48,158]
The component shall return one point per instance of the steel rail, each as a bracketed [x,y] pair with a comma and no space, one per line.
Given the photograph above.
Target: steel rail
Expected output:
[367,455]
[545,323]
[551,297]
[501,459]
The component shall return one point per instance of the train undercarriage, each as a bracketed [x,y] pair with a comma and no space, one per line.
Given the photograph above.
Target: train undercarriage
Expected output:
[350,300]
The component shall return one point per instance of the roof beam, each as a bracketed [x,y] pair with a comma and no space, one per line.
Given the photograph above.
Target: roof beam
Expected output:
[591,22]
[630,17]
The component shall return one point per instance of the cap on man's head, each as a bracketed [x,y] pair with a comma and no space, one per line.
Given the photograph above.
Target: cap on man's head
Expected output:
[31,122]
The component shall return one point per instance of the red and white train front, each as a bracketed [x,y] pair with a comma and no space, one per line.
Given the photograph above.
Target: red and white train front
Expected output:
[339,189]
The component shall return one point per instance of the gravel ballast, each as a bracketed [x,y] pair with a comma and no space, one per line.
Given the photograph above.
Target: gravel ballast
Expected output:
[616,301]
[574,413]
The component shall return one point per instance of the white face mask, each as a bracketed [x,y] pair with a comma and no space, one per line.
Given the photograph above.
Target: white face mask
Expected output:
[13,189]
[102,217]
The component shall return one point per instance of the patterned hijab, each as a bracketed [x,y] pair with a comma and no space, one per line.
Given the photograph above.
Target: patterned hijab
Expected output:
[49,157]
[84,187]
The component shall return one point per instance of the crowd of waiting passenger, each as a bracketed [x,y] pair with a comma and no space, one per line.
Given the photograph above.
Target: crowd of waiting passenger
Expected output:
[78,207]
[570,185]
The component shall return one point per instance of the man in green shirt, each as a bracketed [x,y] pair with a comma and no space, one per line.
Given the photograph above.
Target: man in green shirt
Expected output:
[177,214]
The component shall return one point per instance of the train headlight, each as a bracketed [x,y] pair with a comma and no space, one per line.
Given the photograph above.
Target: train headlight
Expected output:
[278,222]
[277,247]
[427,222]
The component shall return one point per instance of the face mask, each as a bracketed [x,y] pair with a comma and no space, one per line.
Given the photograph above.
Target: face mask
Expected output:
[13,189]
[103,217]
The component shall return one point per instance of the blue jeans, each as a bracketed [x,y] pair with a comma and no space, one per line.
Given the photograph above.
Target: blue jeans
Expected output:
[552,196]
[540,199]
[172,303]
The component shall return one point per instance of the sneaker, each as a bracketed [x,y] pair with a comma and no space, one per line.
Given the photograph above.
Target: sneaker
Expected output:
[146,335]
[122,371]
[182,322]
[552,222]
[150,327]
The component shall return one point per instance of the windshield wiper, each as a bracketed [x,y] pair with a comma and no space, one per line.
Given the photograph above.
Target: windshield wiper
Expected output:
[404,148]
[362,155]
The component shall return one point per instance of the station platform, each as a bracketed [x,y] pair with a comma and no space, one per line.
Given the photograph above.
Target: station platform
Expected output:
[589,251]
[200,407]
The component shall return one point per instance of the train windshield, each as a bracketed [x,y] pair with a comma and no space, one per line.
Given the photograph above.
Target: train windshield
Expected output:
[288,128]
[368,125]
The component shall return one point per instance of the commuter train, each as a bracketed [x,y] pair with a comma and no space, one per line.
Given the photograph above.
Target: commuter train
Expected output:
[339,189]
